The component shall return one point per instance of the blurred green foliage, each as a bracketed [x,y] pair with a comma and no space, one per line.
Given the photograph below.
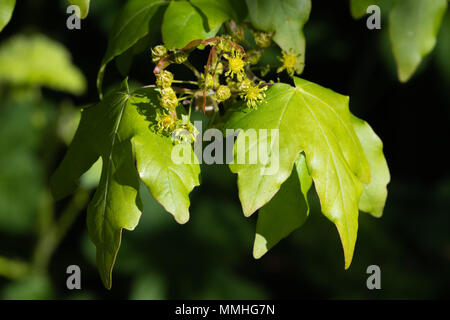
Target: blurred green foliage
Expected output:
[210,257]
[38,61]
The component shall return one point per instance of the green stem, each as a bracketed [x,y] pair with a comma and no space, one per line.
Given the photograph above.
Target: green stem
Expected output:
[185,82]
[49,241]
[193,69]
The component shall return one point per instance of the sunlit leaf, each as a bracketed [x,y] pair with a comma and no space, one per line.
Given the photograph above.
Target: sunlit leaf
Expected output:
[316,121]
[286,211]
[374,196]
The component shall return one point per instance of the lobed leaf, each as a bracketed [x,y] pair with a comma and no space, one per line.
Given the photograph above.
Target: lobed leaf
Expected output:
[317,121]
[285,212]
[116,129]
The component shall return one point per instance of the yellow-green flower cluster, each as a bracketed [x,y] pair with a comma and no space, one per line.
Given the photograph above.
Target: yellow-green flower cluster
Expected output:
[158,53]
[164,79]
[223,93]
[185,131]
[168,98]
[165,122]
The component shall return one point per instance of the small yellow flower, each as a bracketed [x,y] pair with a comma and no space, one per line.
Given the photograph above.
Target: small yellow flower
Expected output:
[158,52]
[236,65]
[164,79]
[290,62]
[223,93]
[169,98]
[254,95]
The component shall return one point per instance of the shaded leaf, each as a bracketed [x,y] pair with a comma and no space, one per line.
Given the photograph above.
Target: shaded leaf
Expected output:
[414,25]
[286,211]
[316,121]
[133,23]
[286,18]
[374,196]
[183,23]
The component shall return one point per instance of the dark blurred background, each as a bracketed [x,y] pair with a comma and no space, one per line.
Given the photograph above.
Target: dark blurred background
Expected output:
[210,257]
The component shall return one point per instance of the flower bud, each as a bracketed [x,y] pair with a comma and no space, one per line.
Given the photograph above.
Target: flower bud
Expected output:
[169,98]
[180,57]
[223,93]
[158,52]
[164,79]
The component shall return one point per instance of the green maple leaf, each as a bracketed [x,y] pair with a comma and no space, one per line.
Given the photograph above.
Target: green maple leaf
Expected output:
[286,211]
[316,121]
[120,129]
